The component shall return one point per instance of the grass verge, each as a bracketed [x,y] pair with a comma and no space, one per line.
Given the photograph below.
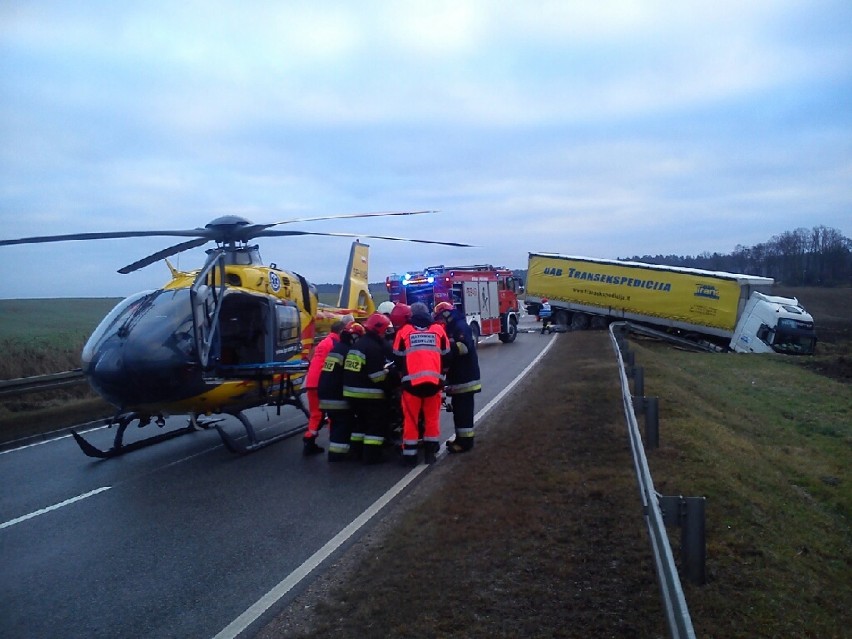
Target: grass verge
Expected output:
[768,443]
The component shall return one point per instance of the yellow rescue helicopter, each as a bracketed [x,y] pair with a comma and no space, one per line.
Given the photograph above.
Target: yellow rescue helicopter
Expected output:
[231,335]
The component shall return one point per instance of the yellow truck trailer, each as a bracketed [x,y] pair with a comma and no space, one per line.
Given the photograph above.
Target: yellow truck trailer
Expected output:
[733,310]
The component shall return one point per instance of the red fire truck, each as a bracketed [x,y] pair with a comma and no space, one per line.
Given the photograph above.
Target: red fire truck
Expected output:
[488,296]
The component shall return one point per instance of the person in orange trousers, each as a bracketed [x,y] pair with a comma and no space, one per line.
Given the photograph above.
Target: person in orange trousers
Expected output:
[420,351]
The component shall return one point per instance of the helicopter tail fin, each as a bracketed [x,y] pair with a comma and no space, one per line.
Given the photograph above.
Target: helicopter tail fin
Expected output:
[355,293]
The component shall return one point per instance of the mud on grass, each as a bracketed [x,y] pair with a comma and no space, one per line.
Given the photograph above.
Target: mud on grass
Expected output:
[537,533]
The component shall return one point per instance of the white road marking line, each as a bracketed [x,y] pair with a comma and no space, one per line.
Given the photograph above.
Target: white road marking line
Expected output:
[67,502]
[238,625]
[242,622]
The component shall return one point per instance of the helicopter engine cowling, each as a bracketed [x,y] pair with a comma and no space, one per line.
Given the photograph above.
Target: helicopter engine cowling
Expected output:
[143,352]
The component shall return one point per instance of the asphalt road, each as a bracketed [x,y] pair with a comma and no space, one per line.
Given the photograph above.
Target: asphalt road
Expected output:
[184,539]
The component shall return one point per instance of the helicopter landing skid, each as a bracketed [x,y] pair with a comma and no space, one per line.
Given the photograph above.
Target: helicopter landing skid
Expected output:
[123,421]
[253,443]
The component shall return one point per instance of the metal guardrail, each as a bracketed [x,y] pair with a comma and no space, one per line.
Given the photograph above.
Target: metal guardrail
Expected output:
[24,385]
[674,602]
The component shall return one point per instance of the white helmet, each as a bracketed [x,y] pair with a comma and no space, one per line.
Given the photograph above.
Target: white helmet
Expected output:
[385,308]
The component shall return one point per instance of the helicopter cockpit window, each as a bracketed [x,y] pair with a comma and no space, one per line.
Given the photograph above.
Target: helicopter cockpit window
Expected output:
[123,309]
[288,342]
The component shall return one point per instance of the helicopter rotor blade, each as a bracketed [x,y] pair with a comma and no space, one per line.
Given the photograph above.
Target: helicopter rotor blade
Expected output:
[347,216]
[359,235]
[232,228]
[227,229]
[42,239]
[163,254]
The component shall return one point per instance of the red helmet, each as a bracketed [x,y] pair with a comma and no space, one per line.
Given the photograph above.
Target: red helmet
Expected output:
[354,328]
[400,315]
[377,323]
[443,310]
[544,300]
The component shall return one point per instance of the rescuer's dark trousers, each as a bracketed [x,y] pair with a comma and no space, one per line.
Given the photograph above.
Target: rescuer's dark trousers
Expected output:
[340,434]
[463,407]
[372,420]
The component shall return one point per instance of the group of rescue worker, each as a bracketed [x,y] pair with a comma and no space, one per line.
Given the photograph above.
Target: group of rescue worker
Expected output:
[363,379]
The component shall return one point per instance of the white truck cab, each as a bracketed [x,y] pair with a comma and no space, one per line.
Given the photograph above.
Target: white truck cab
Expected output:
[771,324]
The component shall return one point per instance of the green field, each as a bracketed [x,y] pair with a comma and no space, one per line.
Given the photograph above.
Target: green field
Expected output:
[58,322]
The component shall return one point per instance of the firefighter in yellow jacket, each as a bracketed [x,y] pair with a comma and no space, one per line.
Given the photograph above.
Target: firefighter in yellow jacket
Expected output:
[420,352]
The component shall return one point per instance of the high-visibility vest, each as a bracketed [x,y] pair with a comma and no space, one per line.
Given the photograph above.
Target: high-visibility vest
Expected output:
[421,352]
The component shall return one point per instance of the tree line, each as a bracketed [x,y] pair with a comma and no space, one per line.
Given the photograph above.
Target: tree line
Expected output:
[820,256]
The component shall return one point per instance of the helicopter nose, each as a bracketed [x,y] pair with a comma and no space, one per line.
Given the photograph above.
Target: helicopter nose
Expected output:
[128,377]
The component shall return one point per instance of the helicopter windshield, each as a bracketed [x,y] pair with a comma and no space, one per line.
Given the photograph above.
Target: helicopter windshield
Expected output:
[125,306]
[156,315]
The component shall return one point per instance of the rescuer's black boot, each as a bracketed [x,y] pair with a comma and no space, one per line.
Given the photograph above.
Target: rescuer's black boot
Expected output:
[310,447]
[460,445]
[356,450]
[409,461]
[373,454]
[431,450]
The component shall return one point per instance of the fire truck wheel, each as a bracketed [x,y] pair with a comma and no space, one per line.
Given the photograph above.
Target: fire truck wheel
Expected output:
[509,336]
[474,331]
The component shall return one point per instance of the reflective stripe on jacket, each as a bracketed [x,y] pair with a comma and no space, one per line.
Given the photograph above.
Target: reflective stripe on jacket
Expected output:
[463,371]
[330,387]
[318,359]
[364,371]
[420,354]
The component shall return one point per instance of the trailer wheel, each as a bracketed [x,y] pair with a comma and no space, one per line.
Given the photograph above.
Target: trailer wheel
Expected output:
[579,322]
[562,318]
[599,322]
[512,332]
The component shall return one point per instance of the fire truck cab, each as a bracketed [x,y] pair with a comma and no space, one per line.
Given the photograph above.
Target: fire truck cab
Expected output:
[487,296]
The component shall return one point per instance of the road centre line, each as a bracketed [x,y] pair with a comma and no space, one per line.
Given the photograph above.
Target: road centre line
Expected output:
[241,623]
[67,502]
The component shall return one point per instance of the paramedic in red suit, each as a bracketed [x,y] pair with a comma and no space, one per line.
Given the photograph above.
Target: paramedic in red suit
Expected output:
[420,351]
[309,440]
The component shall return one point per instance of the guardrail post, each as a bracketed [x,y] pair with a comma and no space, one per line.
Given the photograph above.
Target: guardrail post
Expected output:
[652,422]
[638,381]
[638,390]
[688,514]
[693,540]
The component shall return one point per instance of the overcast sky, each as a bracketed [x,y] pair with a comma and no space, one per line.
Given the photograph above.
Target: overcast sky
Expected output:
[605,128]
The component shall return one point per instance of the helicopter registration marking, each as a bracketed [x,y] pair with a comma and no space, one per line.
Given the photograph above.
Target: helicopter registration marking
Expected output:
[274,281]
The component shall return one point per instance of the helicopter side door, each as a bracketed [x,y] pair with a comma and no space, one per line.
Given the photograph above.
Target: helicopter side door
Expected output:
[206,296]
